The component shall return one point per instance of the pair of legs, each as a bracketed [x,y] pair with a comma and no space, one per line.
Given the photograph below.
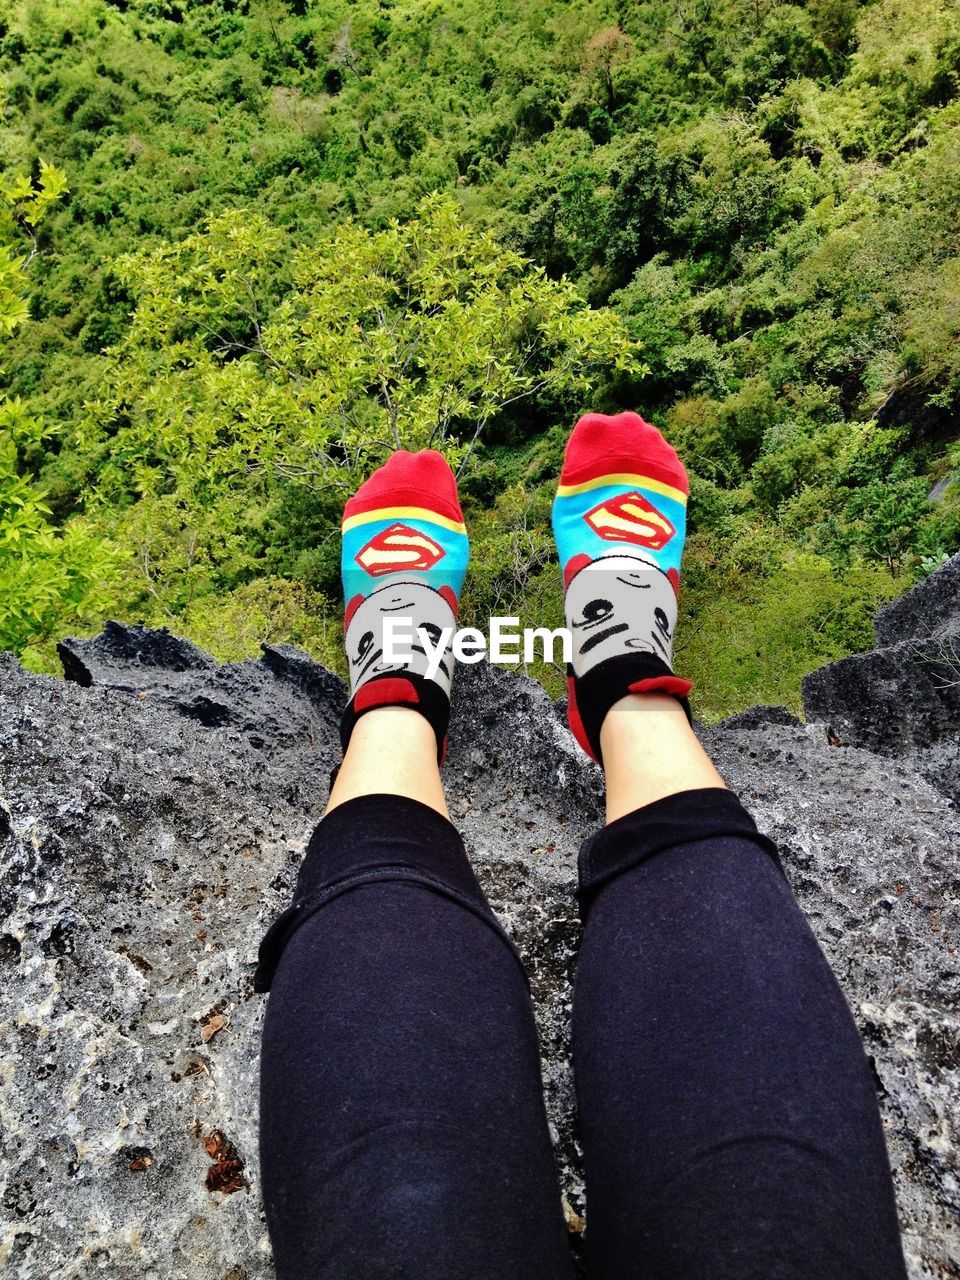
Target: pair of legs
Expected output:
[729,1125]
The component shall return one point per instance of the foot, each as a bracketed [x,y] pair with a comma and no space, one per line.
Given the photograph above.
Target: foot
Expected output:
[404,556]
[619,520]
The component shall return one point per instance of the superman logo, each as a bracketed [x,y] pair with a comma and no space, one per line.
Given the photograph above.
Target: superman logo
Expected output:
[630,518]
[398,547]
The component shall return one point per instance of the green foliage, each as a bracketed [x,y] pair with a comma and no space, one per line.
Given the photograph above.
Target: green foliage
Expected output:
[267,610]
[226,392]
[413,336]
[751,640]
[298,234]
[45,576]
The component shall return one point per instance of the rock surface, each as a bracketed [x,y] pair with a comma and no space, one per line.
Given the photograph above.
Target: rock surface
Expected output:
[154,811]
[931,609]
[902,699]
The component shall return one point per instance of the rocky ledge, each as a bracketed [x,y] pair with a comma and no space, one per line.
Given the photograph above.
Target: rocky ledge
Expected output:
[154,807]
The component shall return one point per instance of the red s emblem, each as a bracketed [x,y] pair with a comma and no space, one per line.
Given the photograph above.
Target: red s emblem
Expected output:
[398,547]
[631,518]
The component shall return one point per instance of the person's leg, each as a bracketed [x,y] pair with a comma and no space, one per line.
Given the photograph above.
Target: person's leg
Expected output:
[729,1120]
[729,1123]
[649,756]
[402,1124]
[392,747]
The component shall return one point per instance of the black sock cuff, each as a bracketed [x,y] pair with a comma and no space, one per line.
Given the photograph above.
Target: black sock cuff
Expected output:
[424,696]
[609,681]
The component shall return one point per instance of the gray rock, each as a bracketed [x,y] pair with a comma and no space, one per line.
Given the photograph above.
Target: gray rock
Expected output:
[754,717]
[938,493]
[902,700]
[153,817]
[135,657]
[931,609]
[889,700]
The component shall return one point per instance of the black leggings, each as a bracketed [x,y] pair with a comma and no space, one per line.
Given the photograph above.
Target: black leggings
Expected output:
[729,1124]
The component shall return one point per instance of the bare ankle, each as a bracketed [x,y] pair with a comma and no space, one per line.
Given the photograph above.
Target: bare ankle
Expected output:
[650,752]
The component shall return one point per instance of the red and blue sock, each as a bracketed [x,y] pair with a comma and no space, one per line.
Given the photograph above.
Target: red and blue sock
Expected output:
[619,520]
[404,556]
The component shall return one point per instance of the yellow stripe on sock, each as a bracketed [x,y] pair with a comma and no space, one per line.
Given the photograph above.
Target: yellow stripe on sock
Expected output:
[623,477]
[404,513]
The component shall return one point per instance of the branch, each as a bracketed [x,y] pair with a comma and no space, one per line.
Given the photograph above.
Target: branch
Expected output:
[151,586]
[481,423]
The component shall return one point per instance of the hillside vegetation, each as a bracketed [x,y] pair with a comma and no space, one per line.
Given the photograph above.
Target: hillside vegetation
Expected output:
[248,246]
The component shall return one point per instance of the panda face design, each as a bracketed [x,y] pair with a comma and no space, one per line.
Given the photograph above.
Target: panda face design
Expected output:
[411,600]
[620,603]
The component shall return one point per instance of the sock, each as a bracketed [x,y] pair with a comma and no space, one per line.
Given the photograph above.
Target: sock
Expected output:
[619,520]
[404,556]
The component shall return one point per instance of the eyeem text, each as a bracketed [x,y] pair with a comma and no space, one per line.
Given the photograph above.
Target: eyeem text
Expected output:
[506,644]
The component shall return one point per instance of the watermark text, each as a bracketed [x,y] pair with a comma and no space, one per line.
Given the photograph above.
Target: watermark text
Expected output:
[506,645]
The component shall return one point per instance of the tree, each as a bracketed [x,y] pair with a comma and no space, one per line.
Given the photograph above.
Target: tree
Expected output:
[890,513]
[411,337]
[251,365]
[45,574]
[606,50]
